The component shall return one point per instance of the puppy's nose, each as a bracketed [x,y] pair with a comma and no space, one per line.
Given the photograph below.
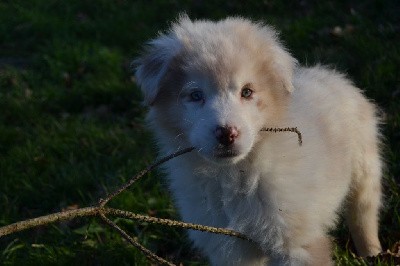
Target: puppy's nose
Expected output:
[226,135]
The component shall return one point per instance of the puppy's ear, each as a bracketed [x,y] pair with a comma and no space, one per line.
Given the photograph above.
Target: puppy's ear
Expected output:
[283,62]
[152,66]
[285,65]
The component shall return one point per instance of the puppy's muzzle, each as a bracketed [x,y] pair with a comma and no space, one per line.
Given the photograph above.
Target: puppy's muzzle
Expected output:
[226,135]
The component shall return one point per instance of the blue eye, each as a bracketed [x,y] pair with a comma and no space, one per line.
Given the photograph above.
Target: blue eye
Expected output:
[246,92]
[196,96]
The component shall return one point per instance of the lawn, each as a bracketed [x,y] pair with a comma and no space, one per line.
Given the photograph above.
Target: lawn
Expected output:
[71,119]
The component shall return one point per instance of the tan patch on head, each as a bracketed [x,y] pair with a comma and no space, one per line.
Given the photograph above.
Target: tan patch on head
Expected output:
[261,105]
[272,100]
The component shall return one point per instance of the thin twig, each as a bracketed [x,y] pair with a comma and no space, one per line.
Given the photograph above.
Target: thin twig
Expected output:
[174,223]
[101,210]
[150,255]
[47,219]
[285,129]
[95,211]
[103,202]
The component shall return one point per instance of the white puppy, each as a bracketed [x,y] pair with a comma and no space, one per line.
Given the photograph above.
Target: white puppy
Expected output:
[214,85]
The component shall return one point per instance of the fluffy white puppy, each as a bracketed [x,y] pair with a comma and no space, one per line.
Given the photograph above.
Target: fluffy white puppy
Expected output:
[214,85]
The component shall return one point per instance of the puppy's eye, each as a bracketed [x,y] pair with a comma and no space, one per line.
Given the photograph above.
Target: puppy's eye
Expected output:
[246,92]
[196,96]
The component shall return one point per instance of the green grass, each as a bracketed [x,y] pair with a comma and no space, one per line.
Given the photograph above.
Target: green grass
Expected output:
[71,122]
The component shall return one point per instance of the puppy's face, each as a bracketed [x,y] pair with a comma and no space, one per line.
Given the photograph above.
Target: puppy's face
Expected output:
[215,86]
[221,109]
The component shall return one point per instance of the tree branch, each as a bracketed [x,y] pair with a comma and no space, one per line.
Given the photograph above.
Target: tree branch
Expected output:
[98,211]
[47,219]
[101,211]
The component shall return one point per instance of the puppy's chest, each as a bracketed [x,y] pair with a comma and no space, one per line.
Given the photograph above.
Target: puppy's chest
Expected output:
[235,190]
[241,197]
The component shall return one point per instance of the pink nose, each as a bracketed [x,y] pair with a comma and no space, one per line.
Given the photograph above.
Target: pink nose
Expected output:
[226,135]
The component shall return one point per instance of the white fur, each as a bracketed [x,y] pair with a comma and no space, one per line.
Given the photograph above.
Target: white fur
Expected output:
[283,196]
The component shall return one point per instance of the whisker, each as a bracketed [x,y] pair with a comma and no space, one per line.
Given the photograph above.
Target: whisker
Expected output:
[180,134]
[186,120]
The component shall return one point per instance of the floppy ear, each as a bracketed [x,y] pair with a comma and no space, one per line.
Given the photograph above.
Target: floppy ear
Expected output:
[152,66]
[285,68]
[283,62]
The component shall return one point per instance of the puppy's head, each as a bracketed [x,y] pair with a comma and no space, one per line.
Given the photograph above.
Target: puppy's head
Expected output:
[214,85]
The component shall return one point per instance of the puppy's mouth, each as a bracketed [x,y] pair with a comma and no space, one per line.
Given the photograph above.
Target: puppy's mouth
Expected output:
[225,152]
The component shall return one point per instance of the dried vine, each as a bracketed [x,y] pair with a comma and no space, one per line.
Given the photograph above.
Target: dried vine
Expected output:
[285,129]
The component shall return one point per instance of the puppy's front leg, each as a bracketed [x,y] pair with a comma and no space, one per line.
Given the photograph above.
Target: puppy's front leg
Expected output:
[316,253]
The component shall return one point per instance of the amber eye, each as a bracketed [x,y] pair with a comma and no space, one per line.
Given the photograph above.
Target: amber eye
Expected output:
[246,92]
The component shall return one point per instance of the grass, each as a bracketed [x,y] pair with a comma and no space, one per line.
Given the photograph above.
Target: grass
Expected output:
[71,122]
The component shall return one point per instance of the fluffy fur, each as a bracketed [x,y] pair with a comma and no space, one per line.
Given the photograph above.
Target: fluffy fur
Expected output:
[283,196]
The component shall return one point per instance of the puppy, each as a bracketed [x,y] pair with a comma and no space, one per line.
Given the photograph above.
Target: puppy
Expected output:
[213,86]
